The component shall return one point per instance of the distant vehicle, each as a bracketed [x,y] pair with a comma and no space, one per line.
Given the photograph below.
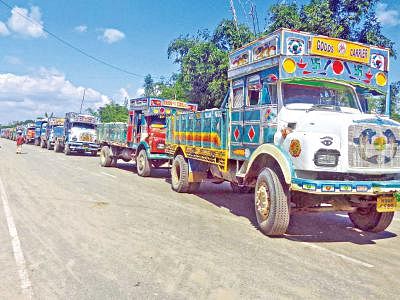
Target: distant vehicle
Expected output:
[79,134]
[54,132]
[143,138]
[40,131]
[30,134]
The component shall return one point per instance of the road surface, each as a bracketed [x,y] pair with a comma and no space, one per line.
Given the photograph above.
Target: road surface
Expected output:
[70,229]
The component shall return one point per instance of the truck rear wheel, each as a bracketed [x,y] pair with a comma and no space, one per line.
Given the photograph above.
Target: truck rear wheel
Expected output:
[57,147]
[180,176]
[143,165]
[105,157]
[271,205]
[67,150]
[37,143]
[42,144]
[48,145]
[368,219]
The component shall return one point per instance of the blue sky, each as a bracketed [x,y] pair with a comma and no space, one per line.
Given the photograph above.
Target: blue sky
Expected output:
[38,74]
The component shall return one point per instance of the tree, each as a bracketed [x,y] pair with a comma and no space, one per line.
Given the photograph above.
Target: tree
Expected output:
[113,113]
[149,88]
[227,37]
[346,19]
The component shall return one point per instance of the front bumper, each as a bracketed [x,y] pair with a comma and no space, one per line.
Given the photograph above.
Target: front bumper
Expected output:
[333,187]
[78,146]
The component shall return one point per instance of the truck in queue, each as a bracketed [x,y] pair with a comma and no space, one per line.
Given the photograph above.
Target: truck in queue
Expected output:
[54,133]
[79,135]
[40,131]
[29,134]
[297,130]
[142,139]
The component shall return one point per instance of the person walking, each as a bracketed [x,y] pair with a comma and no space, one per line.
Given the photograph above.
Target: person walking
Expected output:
[20,140]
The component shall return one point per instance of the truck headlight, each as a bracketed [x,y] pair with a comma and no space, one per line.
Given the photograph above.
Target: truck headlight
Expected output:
[326,158]
[74,139]
[160,146]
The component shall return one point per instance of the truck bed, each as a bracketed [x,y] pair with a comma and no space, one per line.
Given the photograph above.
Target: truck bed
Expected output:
[201,135]
[112,133]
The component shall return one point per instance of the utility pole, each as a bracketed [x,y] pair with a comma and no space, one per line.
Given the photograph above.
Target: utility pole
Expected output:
[234,13]
[83,99]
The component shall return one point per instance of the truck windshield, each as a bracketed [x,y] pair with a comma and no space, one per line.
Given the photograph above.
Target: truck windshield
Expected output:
[157,120]
[84,125]
[319,96]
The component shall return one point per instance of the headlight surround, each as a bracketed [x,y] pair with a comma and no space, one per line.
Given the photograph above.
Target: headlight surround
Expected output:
[74,138]
[326,158]
[160,146]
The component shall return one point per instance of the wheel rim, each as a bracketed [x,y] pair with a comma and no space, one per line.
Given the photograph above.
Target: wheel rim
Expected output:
[263,201]
[140,162]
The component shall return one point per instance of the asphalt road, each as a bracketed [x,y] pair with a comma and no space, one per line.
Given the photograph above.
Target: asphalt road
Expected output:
[70,229]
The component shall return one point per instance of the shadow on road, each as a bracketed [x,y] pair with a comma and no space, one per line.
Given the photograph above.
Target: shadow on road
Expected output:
[311,228]
[155,173]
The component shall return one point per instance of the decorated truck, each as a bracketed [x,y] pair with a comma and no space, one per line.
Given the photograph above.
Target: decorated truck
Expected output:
[142,139]
[29,134]
[79,135]
[54,132]
[40,131]
[296,128]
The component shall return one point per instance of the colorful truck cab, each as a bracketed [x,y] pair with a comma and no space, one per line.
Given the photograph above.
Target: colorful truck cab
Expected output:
[143,138]
[54,133]
[40,131]
[79,134]
[294,129]
[29,134]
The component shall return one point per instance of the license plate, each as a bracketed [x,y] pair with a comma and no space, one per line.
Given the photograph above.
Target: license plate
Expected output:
[387,204]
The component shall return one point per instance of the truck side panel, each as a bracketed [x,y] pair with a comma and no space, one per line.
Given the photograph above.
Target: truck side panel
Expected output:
[112,133]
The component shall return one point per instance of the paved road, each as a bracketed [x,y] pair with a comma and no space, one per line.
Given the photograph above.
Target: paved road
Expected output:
[86,232]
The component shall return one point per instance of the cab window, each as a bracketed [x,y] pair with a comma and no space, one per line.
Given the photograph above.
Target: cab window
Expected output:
[253,90]
[238,94]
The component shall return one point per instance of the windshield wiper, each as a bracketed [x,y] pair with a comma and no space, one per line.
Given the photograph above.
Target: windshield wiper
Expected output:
[324,107]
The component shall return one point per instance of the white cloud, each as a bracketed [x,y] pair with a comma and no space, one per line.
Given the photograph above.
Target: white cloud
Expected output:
[111,35]
[81,28]
[12,60]
[387,16]
[20,23]
[139,92]
[28,96]
[3,29]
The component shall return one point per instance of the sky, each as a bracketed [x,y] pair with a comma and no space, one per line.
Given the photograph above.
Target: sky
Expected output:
[39,74]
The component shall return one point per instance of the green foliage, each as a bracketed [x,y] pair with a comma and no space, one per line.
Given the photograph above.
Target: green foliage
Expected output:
[113,113]
[149,87]
[227,37]
[346,19]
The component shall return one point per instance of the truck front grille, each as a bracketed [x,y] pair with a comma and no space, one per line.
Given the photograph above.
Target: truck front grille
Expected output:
[373,146]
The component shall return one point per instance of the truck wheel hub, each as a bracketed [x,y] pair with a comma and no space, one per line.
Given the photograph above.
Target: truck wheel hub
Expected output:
[263,201]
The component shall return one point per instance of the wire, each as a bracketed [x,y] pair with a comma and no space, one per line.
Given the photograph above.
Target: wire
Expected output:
[68,44]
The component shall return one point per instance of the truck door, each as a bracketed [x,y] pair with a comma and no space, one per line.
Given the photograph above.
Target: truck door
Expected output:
[236,118]
[129,134]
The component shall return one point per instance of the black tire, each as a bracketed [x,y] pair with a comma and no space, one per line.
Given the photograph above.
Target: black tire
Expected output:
[57,147]
[48,145]
[105,157]
[368,219]
[143,165]
[93,153]
[271,204]
[180,176]
[67,150]
[240,189]
[37,143]
[114,162]
[42,144]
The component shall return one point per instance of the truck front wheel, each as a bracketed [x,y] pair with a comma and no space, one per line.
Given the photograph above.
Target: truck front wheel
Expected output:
[368,219]
[48,145]
[143,165]
[271,205]
[57,147]
[180,176]
[67,150]
[105,157]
